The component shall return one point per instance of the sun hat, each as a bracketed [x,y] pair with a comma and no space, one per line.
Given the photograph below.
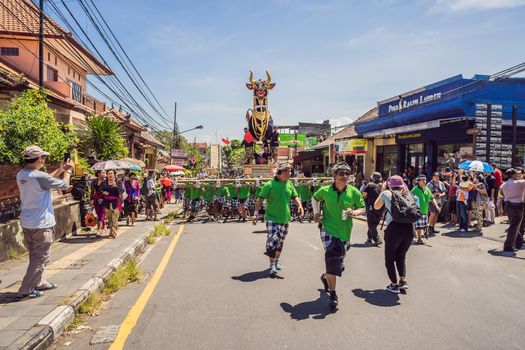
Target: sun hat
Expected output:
[395,181]
[33,152]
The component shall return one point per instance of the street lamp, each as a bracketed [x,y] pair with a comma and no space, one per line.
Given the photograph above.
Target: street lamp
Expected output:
[176,137]
[195,128]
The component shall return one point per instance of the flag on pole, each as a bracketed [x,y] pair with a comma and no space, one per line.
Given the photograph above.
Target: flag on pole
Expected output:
[226,141]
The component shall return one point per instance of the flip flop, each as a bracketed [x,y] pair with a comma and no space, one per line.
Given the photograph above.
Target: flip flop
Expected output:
[32,295]
[47,286]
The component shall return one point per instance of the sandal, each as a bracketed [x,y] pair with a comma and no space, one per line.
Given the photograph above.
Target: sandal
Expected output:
[47,286]
[34,294]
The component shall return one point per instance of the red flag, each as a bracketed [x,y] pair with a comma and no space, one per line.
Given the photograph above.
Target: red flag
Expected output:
[226,141]
[248,137]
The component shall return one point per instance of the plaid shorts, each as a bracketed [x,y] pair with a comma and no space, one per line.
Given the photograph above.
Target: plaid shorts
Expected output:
[275,239]
[218,199]
[422,223]
[195,205]
[335,252]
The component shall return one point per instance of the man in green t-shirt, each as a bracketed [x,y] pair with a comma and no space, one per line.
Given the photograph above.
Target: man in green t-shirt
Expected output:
[425,196]
[341,202]
[243,194]
[220,196]
[209,193]
[196,195]
[305,194]
[187,198]
[232,205]
[277,192]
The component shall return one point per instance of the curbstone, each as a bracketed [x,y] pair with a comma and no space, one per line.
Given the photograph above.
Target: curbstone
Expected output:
[58,319]
[78,298]
[37,338]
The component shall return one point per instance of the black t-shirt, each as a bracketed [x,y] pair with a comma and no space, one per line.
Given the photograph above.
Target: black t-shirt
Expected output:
[113,192]
[372,191]
[491,184]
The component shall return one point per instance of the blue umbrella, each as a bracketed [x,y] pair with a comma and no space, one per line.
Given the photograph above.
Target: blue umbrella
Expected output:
[476,165]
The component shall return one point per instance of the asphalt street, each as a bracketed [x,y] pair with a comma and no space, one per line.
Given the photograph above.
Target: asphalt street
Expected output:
[216,294]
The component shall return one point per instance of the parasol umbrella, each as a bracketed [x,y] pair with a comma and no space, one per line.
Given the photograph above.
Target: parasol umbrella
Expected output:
[134,161]
[111,165]
[166,182]
[134,167]
[172,168]
[476,165]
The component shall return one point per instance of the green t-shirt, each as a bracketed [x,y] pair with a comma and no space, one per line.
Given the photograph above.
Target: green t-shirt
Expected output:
[425,196]
[258,190]
[221,191]
[233,191]
[304,193]
[187,191]
[196,193]
[334,204]
[278,195]
[209,192]
[244,192]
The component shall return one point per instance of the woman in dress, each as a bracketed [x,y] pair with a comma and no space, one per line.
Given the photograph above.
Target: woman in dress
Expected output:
[97,201]
[132,188]
[111,191]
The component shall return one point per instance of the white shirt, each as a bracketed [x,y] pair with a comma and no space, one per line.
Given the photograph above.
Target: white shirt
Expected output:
[35,194]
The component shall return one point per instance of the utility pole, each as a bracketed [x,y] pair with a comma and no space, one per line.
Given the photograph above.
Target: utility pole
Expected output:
[175,132]
[41,47]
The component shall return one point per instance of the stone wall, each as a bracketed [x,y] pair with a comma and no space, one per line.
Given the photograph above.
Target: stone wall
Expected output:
[67,214]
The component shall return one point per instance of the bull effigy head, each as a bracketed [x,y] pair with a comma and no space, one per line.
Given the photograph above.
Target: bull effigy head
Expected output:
[260,87]
[260,121]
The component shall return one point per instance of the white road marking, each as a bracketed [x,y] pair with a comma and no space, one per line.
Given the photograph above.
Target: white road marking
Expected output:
[512,276]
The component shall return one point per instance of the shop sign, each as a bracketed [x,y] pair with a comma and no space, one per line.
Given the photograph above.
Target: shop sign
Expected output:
[409,136]
[292,140]
[412,102]
[352,146]
[178,153]
[311,142]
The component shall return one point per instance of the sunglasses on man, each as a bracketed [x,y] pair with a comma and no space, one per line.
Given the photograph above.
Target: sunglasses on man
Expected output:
[343,173]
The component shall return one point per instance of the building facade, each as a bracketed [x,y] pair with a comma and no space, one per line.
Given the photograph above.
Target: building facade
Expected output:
[438,126]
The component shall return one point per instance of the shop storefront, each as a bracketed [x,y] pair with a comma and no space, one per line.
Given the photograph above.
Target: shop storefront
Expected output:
[440,125]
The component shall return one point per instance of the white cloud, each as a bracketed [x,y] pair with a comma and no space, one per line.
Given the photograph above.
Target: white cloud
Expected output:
[475,5]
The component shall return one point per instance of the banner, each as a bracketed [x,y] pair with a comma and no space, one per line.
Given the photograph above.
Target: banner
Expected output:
[311,142]
[292,140]
[352,146]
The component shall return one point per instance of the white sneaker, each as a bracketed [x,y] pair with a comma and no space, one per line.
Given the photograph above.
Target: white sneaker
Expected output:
[273,270]
[278,265]
[462,230]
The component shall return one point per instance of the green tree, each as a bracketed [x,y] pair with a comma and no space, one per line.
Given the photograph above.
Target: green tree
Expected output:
[104,135]
[28,120]
[193,152]
[233,155]
[164,136]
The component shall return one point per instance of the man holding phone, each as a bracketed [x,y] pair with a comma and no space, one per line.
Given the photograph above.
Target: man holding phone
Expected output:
[37,217]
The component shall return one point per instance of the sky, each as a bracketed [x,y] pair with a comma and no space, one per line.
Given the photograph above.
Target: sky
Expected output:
[329,59]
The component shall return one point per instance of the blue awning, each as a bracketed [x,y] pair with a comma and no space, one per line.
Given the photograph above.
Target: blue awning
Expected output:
[451,108]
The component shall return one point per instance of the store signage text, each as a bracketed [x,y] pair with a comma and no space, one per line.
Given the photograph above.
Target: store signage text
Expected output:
[409,136]
[403,104]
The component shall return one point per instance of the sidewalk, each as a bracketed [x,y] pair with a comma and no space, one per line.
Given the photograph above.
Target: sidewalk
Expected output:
[79,265]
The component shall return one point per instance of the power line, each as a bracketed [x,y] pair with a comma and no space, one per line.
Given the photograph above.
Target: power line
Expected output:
[125,54]
[54,50]
[118,84]
[122,86]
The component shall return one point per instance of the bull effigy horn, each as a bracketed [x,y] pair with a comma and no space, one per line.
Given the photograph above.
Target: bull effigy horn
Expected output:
[251,78]
[268,77]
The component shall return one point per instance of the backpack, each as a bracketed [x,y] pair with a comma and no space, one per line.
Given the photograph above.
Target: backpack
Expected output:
[404,209]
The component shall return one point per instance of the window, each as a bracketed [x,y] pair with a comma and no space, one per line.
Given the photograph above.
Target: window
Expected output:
[56,60]
[450,156]
[386,162]
[76,91]
[48,56]
[520,156]
[52,74]
[68,71]
[9,51]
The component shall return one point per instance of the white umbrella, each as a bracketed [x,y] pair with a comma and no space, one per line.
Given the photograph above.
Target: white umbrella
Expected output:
[111,165]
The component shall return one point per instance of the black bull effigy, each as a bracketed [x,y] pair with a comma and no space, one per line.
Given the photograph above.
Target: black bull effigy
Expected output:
[260,121]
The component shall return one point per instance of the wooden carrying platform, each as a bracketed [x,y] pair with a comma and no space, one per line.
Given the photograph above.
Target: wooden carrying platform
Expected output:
[256,170]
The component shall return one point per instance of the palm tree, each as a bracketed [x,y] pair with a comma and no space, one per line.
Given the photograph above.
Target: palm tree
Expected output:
[104,136]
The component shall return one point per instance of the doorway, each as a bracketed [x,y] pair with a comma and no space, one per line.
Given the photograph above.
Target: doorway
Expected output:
[416,157]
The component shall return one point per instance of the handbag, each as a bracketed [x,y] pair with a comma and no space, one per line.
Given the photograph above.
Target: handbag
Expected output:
[90,220]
